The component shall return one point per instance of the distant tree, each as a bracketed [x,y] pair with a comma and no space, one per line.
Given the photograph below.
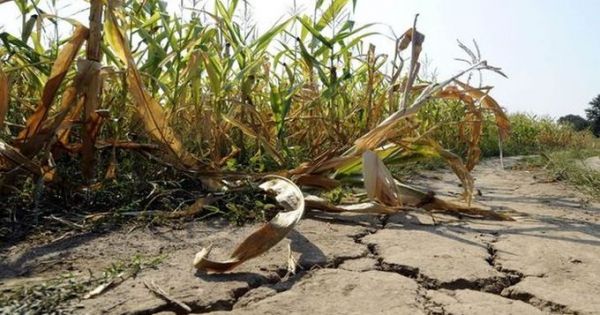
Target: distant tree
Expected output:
[577,122]
[593,115]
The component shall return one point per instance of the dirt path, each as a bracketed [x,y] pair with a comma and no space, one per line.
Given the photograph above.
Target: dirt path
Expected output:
[546,262]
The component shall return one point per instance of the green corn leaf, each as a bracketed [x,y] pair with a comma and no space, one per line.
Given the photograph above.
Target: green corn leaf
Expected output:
[305,21]
[331,13]
[261,43]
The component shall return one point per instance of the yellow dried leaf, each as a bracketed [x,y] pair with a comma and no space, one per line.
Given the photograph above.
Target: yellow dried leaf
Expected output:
[473,119]
[381,185]
[459,168]
[289,196]
[50,127]
[488,102]
[61,66]
[151,113]
[64,129]
[379,182]
[384,130]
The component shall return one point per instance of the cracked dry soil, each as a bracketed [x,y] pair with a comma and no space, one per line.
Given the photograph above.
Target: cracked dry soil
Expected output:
[545,262]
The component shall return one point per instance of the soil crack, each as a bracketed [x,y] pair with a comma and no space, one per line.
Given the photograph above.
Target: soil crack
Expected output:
[283,281]
[514,278]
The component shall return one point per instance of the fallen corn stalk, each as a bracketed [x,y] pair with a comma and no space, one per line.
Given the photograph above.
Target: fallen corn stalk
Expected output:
[387,196]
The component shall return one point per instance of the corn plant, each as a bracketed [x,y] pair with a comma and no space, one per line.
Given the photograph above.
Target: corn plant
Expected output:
[205,95]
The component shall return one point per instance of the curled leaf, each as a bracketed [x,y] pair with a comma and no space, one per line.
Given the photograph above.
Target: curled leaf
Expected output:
[409,36]
[289,196]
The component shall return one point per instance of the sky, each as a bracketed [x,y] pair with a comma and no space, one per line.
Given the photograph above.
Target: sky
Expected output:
[549,49]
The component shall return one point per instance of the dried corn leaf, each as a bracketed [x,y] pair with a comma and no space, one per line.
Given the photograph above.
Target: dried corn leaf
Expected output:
[50,127]
[150,111]
[412,36]
[379,182]
[317,203]
[4,98]
[13,158]
[316,181]
[488,102]
[417,39]
[290,197]
[61,66]
[430,148]
[409,36]
[412,198]
[473,120]
[472,97]
[61,123]
[459,168]
[408,196]
[384,130]
[439,205]
[64,129]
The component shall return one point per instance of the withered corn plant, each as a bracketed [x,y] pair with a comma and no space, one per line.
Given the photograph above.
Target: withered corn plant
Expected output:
[206,98]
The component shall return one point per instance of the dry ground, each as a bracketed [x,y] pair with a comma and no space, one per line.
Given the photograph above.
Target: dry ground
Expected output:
[545,262]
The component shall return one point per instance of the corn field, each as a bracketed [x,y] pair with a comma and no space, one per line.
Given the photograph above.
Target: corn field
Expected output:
[141,104]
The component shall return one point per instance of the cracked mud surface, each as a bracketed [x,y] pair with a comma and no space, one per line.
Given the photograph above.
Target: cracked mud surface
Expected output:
[409,263]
